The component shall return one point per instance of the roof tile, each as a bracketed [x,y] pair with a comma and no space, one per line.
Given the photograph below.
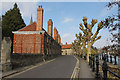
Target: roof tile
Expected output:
[31,27]
[66,46]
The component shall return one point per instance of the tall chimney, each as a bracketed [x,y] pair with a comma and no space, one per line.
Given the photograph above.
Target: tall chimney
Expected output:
[50,25]
[54,33]
[59,39]
[39,18]
[66,43]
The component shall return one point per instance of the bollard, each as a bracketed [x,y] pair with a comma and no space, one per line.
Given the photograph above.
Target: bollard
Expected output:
[97,67]
[102,56]
[104,68]
[89,59]
[99,56]
[110,58]
[115,60]
[85,57]
[93,63]
[107,57]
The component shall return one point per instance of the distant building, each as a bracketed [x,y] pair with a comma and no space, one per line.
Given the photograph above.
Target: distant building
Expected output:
[34,38]
[66,49]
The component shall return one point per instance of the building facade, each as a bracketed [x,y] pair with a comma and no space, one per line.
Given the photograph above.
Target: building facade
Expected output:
[66,49]
[35,39]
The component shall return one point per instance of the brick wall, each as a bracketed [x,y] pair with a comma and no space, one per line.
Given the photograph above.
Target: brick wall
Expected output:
[51,45]
[27,43]
[31,43]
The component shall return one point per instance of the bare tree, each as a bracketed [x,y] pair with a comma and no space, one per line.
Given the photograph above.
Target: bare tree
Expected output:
[87,30]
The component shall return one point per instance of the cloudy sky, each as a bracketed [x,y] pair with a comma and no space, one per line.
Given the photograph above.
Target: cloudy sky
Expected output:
[66,16]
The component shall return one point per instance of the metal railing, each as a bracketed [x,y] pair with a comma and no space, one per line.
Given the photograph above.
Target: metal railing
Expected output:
[94,64]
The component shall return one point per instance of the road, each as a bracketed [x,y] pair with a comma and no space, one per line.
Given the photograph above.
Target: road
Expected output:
[61,67]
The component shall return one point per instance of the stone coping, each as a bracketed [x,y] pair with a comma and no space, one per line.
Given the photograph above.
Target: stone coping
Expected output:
[28,32]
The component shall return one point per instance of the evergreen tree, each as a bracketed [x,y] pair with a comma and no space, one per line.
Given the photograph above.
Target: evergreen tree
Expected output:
[12,21]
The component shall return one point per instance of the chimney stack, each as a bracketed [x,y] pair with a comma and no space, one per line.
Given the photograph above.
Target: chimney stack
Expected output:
[39,18]
[50,27]
[55,34]
[59,39]
[66,43]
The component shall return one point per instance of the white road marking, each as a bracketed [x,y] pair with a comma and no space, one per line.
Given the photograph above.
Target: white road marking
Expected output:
[31,68]
[75,69]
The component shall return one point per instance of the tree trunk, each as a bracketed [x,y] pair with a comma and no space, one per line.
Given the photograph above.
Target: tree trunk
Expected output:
[83,49]
[88,50]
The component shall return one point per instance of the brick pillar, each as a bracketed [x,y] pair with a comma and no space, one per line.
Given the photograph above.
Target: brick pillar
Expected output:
[14,44]
[42,43]
[34,42]
[50,25]
[39,18]
[21,41]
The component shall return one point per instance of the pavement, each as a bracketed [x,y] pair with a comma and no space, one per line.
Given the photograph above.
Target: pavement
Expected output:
[61,67]
[85,70]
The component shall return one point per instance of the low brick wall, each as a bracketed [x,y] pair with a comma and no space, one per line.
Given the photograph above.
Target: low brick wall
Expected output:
[21,60]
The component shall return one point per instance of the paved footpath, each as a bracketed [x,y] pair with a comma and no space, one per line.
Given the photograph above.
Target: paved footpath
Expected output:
[85,70]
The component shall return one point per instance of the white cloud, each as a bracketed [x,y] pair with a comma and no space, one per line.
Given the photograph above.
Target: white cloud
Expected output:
[48,9]
[28,8]
[67,37]
[66,20]
[102,42]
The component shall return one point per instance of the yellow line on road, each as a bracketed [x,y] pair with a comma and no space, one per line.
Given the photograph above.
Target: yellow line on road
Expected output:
[31,68]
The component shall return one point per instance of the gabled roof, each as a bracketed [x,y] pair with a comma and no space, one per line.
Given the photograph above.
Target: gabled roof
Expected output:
[67,46]
[31,27]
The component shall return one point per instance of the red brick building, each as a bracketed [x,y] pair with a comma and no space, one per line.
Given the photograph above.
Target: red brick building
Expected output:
[35,39]
[66,49]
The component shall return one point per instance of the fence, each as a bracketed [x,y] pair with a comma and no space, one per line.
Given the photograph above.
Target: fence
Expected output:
[101,68]
[113,59]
